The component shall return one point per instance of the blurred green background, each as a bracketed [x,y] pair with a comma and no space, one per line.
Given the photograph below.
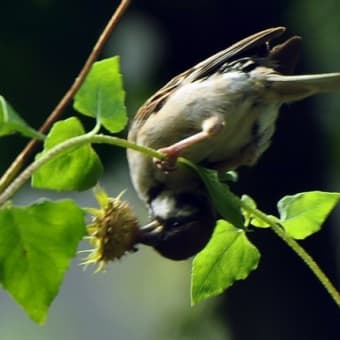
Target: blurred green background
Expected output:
[43,44]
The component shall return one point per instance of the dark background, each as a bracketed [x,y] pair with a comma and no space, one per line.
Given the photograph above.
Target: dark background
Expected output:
[44,43]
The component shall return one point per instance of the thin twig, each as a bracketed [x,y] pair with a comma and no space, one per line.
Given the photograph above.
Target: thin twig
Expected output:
[22,158]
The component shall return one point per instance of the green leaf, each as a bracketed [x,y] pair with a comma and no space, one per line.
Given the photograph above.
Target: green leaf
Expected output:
[303,214]
[77,169]
[226,203]
[249,217]
[228,176]
[102,96]
[37,243]
[229,256]
[11,122]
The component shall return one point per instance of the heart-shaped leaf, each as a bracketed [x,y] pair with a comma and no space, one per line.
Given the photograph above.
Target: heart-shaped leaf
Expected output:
[229,256]
[102,96]
[37,243]
[303,214]
[77,169]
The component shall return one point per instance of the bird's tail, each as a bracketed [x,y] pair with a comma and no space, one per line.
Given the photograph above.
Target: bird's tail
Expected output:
[297,87]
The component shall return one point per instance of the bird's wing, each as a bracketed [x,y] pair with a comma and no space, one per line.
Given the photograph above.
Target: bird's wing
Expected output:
[203,69]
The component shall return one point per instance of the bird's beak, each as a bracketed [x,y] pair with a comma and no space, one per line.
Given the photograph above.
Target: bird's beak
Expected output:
[149,234]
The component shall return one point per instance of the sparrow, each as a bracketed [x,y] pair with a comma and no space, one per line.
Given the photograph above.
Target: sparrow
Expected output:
[220,114]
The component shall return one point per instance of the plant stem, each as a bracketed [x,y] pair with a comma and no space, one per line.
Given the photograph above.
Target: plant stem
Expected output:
[295,246]
[89,138]
[123,143]
[22,158]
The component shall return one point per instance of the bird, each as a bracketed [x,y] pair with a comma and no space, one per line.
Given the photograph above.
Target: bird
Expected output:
[220,114]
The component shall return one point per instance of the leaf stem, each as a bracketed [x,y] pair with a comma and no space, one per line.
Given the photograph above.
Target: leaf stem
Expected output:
[22,158]
[89,138]
[295,246]
[123,143]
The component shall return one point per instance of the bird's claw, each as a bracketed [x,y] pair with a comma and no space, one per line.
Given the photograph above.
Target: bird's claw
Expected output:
[169,162]
[166,165]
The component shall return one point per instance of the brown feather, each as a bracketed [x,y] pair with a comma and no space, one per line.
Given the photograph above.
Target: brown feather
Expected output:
[202,69]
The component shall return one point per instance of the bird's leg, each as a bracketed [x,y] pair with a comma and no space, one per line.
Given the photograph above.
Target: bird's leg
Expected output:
[210,127]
